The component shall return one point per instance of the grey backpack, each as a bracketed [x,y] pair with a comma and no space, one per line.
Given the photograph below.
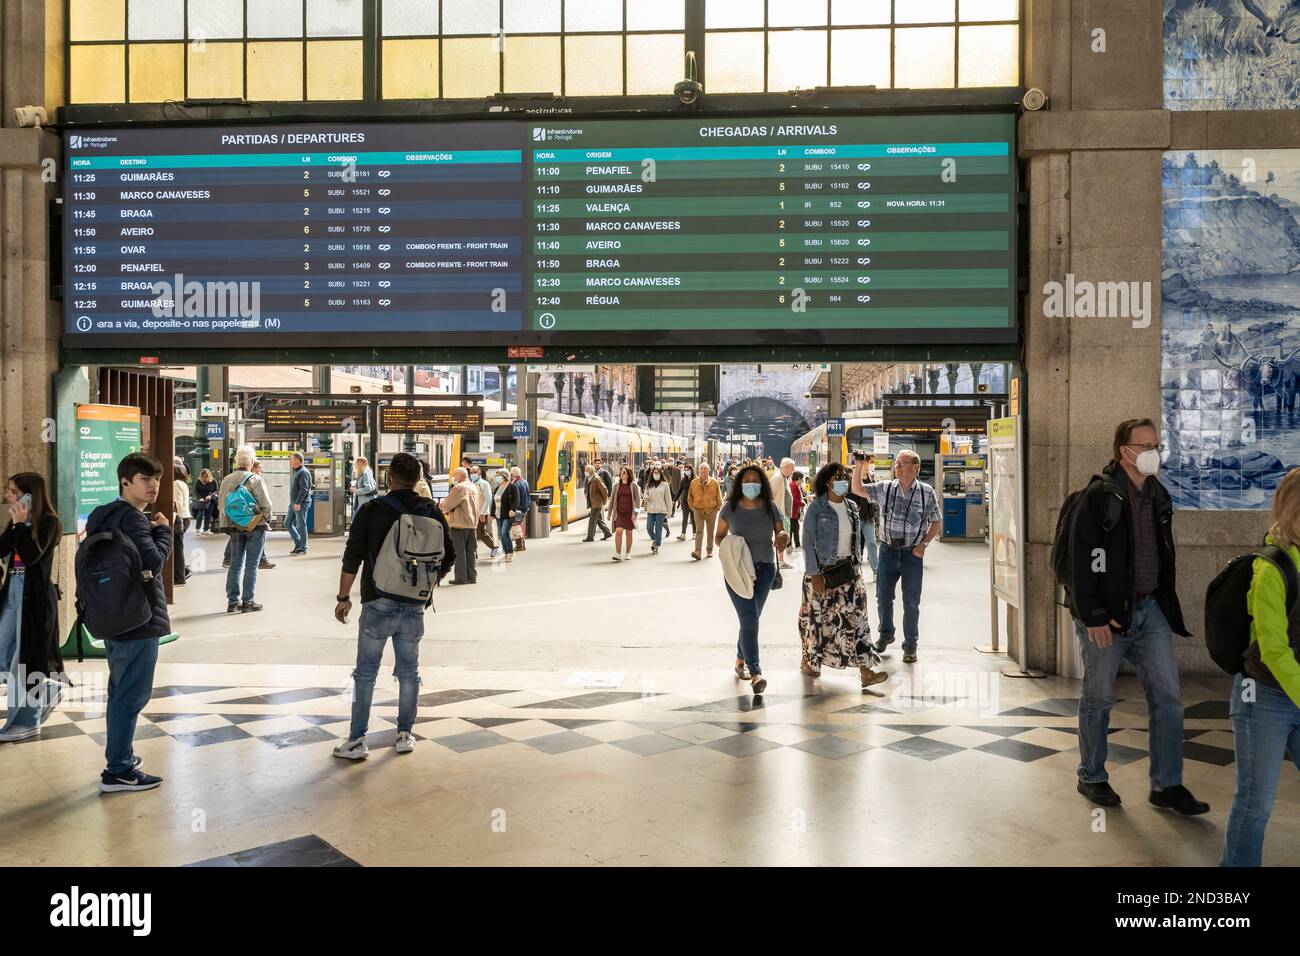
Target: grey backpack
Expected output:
[406,568]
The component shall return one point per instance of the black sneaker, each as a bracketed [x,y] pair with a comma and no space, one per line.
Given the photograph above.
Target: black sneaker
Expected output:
[232,608]
[131,780]
[225,564]
[881,644]
[249,606]
[1100,793]
[909,657]
[1180,800]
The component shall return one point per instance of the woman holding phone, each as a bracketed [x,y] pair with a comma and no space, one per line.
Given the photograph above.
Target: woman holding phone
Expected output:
[29,606]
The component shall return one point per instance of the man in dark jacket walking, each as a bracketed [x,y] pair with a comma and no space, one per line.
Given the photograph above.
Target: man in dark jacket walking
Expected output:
[132,656]
[1122,596]
[597,494]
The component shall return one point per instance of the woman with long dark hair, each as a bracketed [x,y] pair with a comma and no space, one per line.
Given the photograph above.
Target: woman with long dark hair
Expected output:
[205,503]
[752,516]
[833,621]
[624,500]
[658,504]
[29,606]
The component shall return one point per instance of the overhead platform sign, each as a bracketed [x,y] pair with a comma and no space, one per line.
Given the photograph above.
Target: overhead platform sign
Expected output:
[431,420]
[525,233]
[315,418]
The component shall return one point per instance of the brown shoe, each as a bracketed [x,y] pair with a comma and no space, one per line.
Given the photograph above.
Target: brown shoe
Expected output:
[695,555]
[807,668]
[870,677]
[741,670]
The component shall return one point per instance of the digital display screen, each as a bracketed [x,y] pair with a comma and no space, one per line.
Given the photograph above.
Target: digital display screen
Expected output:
[427,419]
[496,232]
[315,418]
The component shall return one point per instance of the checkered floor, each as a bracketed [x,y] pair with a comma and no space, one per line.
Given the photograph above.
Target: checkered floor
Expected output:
[913,726]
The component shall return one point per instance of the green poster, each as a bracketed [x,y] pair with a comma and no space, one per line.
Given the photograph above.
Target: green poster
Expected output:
[105,435]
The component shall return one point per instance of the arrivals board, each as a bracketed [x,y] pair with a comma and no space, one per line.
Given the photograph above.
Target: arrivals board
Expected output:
[802,228]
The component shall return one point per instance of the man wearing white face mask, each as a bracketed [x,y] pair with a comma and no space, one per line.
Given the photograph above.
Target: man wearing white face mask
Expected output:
[1120,589]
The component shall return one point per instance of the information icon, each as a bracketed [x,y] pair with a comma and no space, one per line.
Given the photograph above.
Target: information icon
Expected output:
[546,320]
[83,323]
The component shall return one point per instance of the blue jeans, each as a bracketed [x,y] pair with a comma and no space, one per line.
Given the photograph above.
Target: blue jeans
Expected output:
[130,684]
[749,610]
[654,525]
[503,535]
[1264,733]
[297,524]
[245,552]
[1149,647]
[11,620]
[893,564]
[404,623]
[870,547]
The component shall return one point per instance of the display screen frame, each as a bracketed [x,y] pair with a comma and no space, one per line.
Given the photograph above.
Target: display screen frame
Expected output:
[85,345]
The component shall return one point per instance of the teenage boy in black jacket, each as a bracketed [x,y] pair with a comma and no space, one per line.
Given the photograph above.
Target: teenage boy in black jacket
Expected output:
[1122,596]
[133,656]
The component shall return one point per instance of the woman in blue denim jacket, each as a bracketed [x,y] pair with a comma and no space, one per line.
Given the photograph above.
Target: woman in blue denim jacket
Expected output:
[833,621]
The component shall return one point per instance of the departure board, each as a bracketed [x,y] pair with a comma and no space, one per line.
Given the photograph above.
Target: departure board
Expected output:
[802,228]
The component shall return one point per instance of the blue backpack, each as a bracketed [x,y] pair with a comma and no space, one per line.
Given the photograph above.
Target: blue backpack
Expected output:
[241,506]
[111,595]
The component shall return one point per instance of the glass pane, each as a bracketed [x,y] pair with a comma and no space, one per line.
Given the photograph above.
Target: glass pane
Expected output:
[730,13]
[532,64]
[155,20]
[923,58]
[216,70]
[275,70]
[157,72]
[97,20]
[734,62]
[796,59]
[532,16]
[470,67]
[655,62]
[98,74]
[334,70]
[216,19]
[275,18]
[989,56]
[796,13]
[470,16]
[989,10]
[333,18]
[925,11]
[410,69]
[860,58]
[593,66]
[404,18]
[855,12]
[657,15]
[589,16]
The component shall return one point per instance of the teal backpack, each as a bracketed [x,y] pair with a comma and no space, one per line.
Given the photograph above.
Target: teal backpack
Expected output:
[241,506]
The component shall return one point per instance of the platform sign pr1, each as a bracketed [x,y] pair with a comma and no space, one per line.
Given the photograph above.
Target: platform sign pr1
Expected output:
[835,427]
[105,435]
[521,428]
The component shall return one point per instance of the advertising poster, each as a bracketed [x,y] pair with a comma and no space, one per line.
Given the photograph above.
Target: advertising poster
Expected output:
[105,435]
[1004,510]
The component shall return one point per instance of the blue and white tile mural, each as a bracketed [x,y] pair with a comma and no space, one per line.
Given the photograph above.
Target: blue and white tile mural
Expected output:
[1230,309]
[1232,54]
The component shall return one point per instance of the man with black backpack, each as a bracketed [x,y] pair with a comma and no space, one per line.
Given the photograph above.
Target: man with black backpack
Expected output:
[402,546]
[1114,553]
[121,560]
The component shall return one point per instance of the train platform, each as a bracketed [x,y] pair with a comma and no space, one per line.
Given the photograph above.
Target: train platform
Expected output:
[574,710]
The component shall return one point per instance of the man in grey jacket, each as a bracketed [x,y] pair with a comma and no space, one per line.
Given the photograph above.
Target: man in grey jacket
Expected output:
[246,543]
[301,487]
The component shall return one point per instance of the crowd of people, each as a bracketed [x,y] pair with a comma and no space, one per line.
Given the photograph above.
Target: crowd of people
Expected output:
[402,544]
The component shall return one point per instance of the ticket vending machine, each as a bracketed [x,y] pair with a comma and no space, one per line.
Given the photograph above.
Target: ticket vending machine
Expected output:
[965,507]
[329,499]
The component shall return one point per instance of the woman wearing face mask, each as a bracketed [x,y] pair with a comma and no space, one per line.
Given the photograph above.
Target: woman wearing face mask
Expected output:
[750,514]
[505,499]
[621,510]
[29,606]
[658,502]
[833,614]
[683,493]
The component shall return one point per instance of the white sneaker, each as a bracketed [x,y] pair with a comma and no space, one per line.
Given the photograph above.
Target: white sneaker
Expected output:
[405,743]
[352,749]
[19,733]
[617,557]
[681,537]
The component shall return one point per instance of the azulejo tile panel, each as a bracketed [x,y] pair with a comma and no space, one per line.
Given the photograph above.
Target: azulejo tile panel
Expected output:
[1231,54]
[1230,307]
